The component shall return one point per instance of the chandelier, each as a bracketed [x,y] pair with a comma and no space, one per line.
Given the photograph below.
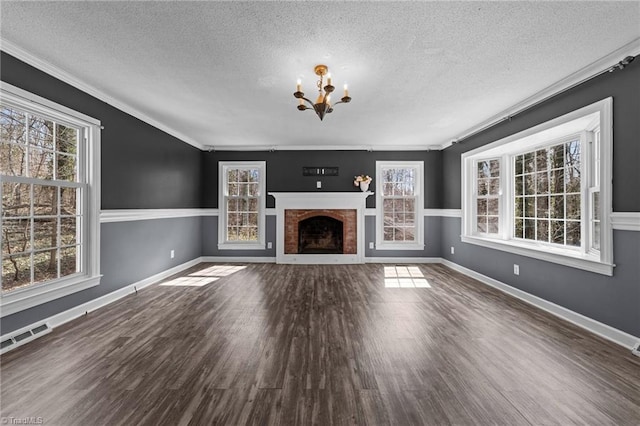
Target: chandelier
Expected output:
[322,105]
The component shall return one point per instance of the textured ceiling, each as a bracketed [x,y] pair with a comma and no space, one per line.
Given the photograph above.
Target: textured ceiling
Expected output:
[223,73]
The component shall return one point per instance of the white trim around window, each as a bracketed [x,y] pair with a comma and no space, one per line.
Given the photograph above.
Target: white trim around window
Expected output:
[88,171]
[592,128]
[414,190]
[245,195]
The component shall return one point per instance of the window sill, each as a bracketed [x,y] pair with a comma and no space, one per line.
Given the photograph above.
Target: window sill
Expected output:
[241,246]
[565,258]
[399,246]
[26,298]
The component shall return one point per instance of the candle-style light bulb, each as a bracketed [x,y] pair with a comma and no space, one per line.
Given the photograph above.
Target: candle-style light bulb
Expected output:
[299,86]
[329,79]
[301,101]
[346,90]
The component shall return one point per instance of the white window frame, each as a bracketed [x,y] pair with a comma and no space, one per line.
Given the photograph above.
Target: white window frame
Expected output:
[544,135]
[223,243]
[89,168]
[418,244]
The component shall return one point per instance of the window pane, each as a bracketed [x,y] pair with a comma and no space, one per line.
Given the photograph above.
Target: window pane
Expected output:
[493,224]
[556,153]
[542,206]
[232,233]
[484,170]
[12,125]
[595,244]
[519,227]
[388,233]
[483,187]
[253,205]
[492,206]
[529,164]
[541,160]
[410,205]
[69,231]
[232,205]
[252,219]
[529,185]
[16,272]
[66,168]
[556,184]
[557,207]
[519,164]
[41,133]
[519,207]
[557,232]
[45,265]
[519,185]
[482,223]
[45,233]
[68,261]
[542,182]
[529,206]
[66,139]
[16,236]
[41,164]
[387,206]
[573,233]
[68,204]
[232,175]
[45,200]
[409,219]
[596,205]
[481,206]
[398,205]
[573,206]
[494,166]
[398,234]
[542,232]
[12,159]
[253,189]
[243,176]
[409,234]
[16,199]
[233,189]
[387,189]
[529,229]
[494,186]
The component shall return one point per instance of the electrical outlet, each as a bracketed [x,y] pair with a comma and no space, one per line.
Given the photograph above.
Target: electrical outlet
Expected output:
[319,184]
[453,250]
[173,254]
[269,245]
[371,246]
[516,269]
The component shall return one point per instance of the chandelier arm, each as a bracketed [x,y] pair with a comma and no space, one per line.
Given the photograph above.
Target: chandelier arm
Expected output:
[310,103]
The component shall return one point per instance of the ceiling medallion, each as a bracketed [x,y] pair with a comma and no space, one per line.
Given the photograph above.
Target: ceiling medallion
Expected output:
[322,105]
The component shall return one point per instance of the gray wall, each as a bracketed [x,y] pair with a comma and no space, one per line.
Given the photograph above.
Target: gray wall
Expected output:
[142,167]
[622,85]
[284,171]
[611,300]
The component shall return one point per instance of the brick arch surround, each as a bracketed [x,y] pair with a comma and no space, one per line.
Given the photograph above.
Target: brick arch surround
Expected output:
[348,217]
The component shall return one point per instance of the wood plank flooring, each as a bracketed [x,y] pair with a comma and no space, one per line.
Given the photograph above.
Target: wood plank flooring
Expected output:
[266,344]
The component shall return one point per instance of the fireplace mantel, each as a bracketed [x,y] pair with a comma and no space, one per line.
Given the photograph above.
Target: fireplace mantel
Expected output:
[320,201]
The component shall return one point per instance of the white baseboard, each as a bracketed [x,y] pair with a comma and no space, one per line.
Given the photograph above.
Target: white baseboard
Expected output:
[616,336]
[92,305]
[237,259]
[402,260]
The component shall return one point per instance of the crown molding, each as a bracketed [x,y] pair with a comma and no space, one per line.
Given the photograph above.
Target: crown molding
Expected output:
[273,148]
[591,70]
[44,66]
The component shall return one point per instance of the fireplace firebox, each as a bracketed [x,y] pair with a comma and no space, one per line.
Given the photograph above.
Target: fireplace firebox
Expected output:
[320,235]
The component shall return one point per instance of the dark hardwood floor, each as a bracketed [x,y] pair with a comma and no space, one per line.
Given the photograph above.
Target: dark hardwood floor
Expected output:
[294,345]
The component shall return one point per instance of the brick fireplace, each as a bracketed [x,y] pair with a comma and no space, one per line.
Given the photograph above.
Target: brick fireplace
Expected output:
[320,227]
[321,238]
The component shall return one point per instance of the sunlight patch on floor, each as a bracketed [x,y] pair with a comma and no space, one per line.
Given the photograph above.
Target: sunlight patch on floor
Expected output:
[205,276]
[404,277]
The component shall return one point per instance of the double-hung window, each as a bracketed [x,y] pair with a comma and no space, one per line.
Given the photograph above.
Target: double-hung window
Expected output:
[399,202]
[542,192]
[49,171]
[241,204]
